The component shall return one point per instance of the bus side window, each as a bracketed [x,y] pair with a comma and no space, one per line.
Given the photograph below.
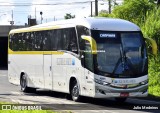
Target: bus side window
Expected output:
[66,39]
[54,40]
[88,56]
[13,44]
[18,43]
[11,38]
[28,41]
[81,30]
[38,39]
[31,41]
[46,40]
[59,33]
[72,46]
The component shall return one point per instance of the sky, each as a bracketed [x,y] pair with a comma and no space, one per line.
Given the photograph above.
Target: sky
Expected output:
[52,9]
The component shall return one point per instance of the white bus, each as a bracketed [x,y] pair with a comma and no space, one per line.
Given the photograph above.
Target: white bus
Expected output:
[92,57]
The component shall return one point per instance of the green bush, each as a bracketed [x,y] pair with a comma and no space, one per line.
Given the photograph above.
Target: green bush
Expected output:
[154,76]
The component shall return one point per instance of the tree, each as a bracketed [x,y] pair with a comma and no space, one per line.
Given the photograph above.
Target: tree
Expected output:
[151,27]
[103,13]
[69,16]
[133,10]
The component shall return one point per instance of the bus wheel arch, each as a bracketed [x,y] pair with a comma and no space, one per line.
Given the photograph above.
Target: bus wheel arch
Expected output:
[74,89]
[24,84]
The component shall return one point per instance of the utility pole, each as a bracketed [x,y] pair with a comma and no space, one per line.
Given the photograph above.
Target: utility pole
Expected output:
[12,22]
[96,7]
[35,13]
[54,18]
[12,15]
[91,8]
[109,6]
[41,16]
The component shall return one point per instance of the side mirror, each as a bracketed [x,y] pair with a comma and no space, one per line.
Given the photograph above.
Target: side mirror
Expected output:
[92,43]
[154,45]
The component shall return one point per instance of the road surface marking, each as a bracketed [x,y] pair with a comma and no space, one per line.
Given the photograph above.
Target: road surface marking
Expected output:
[16,93]
[21,101]
[108,111]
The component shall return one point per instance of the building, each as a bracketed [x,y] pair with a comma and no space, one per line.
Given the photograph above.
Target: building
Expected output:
[4,30]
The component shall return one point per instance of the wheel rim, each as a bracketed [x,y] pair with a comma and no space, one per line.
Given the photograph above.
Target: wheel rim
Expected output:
[75,91]
[23,82]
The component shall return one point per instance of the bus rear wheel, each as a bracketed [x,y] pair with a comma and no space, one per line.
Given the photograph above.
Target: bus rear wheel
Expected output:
[120,100]
[75,91]
[24,87]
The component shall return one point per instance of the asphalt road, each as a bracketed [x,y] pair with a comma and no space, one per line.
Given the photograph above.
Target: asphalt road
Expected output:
[58,101]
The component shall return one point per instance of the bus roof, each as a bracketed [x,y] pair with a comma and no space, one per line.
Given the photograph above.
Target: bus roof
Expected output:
[94,23]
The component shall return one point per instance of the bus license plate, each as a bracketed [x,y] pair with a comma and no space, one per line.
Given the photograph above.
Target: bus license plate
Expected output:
[122,94]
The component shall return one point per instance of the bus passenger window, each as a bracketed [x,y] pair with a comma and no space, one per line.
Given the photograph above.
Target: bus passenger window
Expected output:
[38,41]
[46,40]
[73,47]
[54,40]
[59,33]
[81,30]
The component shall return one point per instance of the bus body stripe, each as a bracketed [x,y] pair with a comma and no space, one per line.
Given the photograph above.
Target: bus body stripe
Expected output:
[30,29]
[35,52]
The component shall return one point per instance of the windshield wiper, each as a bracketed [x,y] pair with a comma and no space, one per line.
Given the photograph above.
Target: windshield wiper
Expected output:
[120,60]
[124,60]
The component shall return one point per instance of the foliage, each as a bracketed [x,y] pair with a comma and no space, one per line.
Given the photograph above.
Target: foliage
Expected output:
[151,26]
[154,76]
[104,13]
[133,10]
[69,16]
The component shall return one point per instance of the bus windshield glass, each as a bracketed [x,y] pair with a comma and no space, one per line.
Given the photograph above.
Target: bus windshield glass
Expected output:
[120,54]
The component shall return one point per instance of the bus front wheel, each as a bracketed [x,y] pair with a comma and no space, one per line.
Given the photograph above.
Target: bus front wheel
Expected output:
[75,91]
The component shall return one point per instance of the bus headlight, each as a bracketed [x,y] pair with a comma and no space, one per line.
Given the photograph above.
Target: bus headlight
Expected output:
[144,82]
[101,82]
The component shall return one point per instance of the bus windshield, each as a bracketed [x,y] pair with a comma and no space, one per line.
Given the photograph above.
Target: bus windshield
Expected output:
[120,54]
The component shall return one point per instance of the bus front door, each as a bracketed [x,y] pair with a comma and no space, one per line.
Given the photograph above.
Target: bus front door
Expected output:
[47,59]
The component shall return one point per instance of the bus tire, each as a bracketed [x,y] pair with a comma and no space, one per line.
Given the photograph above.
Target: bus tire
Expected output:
[24,87]
[75,91]
[120,100]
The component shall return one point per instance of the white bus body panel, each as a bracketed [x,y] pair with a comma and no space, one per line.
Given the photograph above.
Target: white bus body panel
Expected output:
[31,65]
[48,76]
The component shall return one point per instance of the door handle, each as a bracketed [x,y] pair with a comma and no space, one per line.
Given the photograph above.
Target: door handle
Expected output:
[50,68]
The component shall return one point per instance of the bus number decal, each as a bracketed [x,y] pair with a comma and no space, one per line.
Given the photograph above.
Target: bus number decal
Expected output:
[65,61]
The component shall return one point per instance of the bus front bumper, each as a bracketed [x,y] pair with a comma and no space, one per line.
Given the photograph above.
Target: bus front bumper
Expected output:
[106,91]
